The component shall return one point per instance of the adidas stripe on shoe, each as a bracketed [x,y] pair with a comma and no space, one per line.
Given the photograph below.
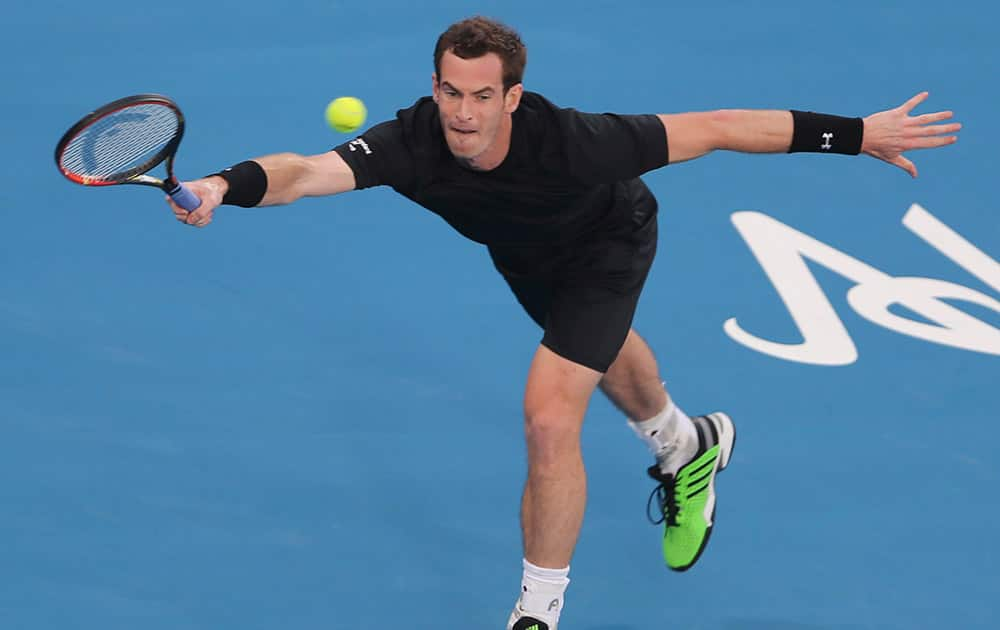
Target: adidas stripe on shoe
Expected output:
[686,500]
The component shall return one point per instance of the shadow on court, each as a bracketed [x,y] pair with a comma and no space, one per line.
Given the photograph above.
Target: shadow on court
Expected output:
[776,624]
[742,624]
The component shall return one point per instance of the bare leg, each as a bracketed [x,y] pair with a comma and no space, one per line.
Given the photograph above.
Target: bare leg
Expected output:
[552,507]
[633,381]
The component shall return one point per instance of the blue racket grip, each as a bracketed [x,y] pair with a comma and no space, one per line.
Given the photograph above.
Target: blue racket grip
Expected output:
[184,198]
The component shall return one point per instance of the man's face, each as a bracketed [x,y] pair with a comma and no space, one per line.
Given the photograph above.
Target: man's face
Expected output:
[475,112]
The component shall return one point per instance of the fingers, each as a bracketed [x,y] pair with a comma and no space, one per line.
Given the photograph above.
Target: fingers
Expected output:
[931,143]
[179,213]
[905,164]
[926,119]
[937,130]
[199,218]
[211,198]
[908,106]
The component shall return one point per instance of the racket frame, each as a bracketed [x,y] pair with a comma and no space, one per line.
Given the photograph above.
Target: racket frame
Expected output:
[135,175]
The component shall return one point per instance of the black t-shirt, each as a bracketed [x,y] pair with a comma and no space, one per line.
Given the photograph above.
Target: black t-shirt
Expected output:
[568,175]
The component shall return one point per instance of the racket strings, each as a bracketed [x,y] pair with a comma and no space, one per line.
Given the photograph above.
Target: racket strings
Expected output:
[121,143]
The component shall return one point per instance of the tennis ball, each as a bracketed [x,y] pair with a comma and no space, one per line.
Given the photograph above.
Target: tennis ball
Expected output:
[345,114]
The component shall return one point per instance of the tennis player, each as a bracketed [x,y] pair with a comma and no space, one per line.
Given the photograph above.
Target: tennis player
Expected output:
[555,196]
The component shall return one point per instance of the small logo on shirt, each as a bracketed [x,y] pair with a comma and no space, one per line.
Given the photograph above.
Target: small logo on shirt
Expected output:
[827,137]
[354,144]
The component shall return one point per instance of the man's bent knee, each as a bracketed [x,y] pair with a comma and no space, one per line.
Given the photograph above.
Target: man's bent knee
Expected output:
[551,435]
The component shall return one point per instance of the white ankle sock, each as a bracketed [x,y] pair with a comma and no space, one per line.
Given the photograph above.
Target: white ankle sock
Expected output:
[670,435]
[542,592]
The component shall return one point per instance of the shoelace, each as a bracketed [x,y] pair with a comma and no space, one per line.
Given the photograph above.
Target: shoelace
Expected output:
[665,498]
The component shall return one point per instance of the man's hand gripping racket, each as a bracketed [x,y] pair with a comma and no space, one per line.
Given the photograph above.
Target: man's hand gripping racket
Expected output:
[122,141]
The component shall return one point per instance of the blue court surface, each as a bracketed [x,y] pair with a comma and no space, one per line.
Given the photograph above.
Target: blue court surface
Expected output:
[309,417]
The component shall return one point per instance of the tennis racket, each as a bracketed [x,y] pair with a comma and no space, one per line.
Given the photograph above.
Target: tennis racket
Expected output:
[122,141]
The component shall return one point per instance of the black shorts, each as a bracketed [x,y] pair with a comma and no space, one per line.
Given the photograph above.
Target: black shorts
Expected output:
[583,296]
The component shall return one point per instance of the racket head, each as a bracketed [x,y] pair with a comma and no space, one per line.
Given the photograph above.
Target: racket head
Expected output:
[120,141]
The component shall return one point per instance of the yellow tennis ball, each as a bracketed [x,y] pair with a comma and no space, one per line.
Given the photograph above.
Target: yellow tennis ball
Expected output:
[345,114]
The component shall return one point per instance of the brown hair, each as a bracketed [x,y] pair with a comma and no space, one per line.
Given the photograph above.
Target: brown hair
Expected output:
[477,36]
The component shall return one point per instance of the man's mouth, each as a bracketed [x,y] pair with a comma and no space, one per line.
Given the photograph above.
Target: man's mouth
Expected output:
[464,132]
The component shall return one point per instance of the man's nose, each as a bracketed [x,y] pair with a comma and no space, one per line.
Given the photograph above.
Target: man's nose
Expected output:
[465,109]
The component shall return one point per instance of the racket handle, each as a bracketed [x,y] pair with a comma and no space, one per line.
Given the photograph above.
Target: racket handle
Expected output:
[184,198]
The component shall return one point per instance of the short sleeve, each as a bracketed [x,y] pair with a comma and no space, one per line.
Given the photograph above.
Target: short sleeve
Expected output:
[613,147]
[379,157]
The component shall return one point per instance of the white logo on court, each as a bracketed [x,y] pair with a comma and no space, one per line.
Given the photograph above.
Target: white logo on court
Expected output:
[782,252]
[354,144]
[827,137]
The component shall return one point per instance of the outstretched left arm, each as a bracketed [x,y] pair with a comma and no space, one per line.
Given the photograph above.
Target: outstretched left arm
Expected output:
[887,134]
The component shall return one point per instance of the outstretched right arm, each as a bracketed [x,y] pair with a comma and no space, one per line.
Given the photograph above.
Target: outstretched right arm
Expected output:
[289,177]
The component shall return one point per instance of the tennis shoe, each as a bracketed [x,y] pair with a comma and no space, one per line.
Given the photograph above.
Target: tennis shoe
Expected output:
[520,621]
[686,500]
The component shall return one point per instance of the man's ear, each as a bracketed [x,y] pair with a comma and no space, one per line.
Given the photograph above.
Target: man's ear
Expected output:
[512,99]
[435,89]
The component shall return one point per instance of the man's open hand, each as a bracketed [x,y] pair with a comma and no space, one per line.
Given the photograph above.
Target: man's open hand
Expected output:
[891,133]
